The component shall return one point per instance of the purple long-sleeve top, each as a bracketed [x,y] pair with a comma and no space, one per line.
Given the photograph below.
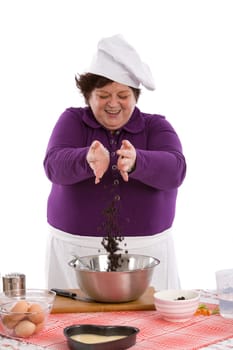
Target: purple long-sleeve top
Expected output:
[146,203]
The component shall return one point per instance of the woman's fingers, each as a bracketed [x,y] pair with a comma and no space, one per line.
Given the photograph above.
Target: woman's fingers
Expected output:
[125,175]
[98,159]
[127,159]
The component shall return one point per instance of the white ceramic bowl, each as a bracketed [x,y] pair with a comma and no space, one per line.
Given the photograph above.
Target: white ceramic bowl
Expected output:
[176,305]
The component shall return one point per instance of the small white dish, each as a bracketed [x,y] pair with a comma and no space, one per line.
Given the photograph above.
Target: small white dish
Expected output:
[176,305]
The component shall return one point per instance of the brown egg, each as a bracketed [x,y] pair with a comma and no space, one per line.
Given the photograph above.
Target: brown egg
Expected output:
[18,309]
[39,327]
[20,306]
[24,329]
[38,313]
[9,321]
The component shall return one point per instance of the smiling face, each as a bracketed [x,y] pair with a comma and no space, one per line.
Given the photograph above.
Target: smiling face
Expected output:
[112,105]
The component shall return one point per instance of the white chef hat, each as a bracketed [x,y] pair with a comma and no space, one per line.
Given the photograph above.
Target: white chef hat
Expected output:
[118,60]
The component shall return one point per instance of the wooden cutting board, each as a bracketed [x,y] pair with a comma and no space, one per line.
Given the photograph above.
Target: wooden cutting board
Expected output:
[65,305]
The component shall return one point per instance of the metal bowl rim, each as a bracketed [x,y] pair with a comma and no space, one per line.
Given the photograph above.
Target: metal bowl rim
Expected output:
[151,265]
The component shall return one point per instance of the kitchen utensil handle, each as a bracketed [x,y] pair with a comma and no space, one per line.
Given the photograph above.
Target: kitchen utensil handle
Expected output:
[68,294]
[64,293]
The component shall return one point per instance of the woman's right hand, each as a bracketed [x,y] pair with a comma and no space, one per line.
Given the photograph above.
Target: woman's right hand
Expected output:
[98,159]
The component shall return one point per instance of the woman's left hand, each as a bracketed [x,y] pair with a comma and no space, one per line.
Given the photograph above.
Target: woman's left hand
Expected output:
[127,159]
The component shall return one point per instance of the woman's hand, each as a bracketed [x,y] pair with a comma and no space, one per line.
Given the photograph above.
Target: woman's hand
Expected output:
[98,159]
[127,159]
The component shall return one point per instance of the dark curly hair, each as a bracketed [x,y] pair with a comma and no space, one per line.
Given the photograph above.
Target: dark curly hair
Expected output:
[87,82]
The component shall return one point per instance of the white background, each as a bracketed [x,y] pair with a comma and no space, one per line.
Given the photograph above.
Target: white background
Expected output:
[188,45]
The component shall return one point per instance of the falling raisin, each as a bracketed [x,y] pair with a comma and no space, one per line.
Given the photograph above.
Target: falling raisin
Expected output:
[112,238]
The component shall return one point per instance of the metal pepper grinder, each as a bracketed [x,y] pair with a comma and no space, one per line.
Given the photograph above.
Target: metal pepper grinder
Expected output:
[14,284]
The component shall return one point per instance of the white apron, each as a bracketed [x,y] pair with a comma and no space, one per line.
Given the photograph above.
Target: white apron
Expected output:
[62,246]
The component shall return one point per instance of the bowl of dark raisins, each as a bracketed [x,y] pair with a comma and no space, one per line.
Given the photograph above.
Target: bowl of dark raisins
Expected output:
[176,305]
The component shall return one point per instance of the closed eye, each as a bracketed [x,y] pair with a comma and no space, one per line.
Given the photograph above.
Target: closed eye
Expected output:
[123,97]
[103,96]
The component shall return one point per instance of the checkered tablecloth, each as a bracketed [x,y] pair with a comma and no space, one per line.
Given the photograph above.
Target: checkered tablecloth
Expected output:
[201,332]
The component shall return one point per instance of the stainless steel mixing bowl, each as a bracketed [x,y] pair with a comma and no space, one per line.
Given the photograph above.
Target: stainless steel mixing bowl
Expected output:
[127,283]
